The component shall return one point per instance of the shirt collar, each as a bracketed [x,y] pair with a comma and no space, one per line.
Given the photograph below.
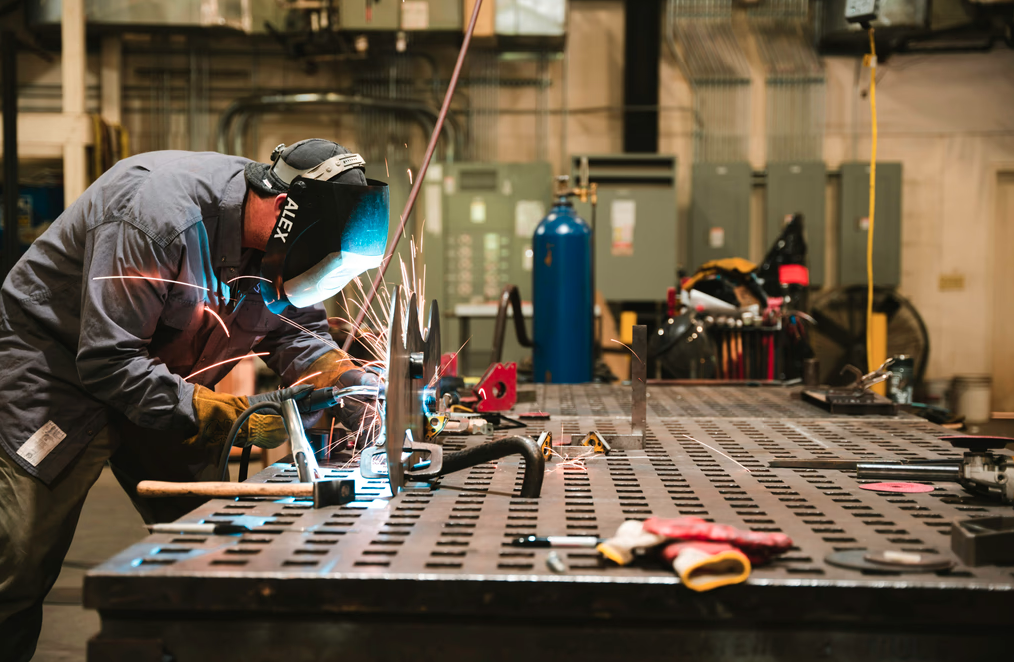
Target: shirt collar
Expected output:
[229,250]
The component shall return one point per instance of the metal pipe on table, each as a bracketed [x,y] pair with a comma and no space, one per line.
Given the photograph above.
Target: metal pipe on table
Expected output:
[263,103]
[928,472]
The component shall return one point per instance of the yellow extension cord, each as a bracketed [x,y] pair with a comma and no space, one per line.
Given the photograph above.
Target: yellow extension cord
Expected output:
[871,61]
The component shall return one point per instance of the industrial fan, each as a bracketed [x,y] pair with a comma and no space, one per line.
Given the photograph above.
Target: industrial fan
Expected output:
[839,337]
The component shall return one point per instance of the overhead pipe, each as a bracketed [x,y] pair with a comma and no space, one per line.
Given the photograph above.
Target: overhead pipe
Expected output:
[264,103]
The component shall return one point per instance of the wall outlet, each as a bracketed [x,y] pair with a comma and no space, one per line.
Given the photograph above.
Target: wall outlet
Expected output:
[954,282]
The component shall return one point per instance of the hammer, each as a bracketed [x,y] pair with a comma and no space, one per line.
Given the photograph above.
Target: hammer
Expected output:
[324,492]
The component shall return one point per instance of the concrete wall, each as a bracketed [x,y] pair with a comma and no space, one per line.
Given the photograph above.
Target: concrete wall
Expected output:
[948,119]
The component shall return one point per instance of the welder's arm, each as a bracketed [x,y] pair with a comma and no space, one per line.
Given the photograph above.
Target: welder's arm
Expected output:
[118,318]
[293,351]
[290,347]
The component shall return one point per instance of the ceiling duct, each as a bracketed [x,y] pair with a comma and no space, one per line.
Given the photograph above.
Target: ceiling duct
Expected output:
[245,15]
[700,36]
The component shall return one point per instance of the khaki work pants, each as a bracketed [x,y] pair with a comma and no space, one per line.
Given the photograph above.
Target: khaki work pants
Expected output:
[37,521]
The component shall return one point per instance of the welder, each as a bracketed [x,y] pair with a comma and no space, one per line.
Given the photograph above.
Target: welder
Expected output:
[112,322]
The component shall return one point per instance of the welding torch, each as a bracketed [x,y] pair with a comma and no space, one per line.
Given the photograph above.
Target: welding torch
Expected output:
[291,403]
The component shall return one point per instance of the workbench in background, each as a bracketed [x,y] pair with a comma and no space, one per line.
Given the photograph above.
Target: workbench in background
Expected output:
[431,576]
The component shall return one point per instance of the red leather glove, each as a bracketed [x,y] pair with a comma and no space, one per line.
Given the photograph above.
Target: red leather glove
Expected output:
[758,547]
[703,566]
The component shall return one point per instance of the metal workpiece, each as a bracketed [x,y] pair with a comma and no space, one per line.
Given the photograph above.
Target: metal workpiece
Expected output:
[437,560]
[639,381]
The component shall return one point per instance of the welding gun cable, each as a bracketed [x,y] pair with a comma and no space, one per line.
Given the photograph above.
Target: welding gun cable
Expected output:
[535,463]
[307,404]
[230,439]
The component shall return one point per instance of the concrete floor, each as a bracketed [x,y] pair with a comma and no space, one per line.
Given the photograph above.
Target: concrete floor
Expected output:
[108,525]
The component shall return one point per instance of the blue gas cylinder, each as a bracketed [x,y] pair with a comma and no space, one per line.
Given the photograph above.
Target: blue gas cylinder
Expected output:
[562,298]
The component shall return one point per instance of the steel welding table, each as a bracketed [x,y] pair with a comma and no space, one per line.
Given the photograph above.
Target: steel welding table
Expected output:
[429,575]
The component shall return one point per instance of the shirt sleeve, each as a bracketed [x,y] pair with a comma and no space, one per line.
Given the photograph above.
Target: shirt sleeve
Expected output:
[127,278]
[292,349]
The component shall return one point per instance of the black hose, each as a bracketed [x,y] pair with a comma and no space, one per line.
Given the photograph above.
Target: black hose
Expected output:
[509,297]
[535,463]
[244,462]
[230,439]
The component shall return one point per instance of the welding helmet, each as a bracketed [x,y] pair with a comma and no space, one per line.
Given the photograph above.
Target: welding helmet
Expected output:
[684,348]
[327,233]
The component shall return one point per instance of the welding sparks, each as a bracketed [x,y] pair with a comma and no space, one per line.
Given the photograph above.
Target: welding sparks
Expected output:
[326,341]
[717,451]
[440,367]
[149,278]
[215,365]
[387,167]
[220,321]
[576,463]
[232,280]
[410,176]
[627,346]
[310,376]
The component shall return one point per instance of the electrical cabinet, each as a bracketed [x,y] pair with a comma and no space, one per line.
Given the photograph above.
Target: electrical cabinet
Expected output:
[543,18]
[798,188]
[409,15]
[370,14]
[479,220]
[854,225]
[719,212]
[634,223]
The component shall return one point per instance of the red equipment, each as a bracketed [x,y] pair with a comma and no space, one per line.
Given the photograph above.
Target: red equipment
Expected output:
[497,390]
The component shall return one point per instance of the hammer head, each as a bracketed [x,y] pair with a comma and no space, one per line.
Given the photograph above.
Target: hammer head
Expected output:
[333,492]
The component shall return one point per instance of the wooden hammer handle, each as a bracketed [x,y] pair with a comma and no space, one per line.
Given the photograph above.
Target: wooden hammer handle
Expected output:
[158,488]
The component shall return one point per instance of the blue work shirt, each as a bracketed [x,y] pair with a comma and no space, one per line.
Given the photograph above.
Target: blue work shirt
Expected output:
[77,339]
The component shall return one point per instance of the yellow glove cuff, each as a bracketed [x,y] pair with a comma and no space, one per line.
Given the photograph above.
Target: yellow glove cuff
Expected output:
[264,431]
[701,571]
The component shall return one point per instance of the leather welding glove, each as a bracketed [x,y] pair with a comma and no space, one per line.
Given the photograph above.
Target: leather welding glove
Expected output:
[757,546]
[357,414]
[629,537]
[703,566]
[216,412]
[326,370]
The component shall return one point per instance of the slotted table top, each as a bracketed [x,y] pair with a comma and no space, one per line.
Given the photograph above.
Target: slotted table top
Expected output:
[444,549]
